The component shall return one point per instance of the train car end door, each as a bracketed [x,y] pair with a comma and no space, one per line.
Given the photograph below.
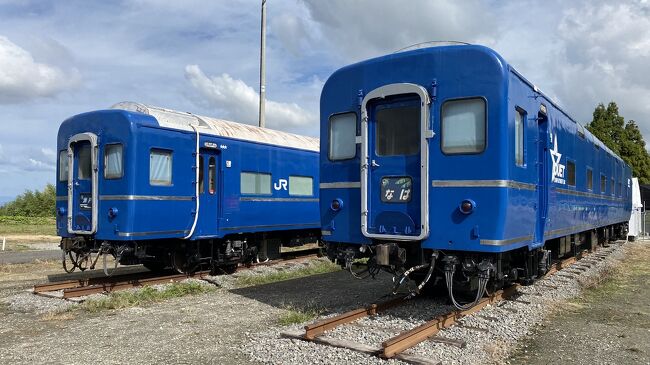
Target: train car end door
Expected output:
[209,191]
[82,183]
[395,162]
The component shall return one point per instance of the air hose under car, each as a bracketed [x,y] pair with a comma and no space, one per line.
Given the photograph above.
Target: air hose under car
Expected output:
[408,272]
[483,277]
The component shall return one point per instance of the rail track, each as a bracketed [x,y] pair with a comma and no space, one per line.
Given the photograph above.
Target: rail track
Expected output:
[68,289]
[395,346]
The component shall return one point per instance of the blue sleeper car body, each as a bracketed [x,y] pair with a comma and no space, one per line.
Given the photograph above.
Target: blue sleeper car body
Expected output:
[127,181]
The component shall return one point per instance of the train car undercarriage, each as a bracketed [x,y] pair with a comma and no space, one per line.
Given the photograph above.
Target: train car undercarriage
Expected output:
[465,276]
[221,255]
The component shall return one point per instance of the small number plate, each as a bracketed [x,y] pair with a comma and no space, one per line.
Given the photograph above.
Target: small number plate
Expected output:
[85,201]
[396,189]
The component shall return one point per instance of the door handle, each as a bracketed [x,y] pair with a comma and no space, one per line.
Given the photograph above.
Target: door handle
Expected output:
[374,164]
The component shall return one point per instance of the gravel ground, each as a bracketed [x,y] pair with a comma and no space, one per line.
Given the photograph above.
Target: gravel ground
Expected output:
[503,324]
[203,329]
[23,257]
[240,325]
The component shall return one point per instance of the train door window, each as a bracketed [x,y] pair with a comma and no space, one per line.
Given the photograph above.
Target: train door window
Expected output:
[201,177]
[84,170]
[571,172]
[613,187]
[520,126]
[63,165]
[590,179]
[301,185]
[463,126]
[160,167]
[603,183]
[398,131]
[113,161]
[255,183]
[620,188]
[343,136]
[212,175]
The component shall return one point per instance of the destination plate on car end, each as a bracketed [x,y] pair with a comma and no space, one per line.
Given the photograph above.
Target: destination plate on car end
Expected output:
[396,189]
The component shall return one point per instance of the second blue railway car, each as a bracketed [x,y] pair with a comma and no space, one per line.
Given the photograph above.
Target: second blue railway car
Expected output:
[448,162]
[165,188]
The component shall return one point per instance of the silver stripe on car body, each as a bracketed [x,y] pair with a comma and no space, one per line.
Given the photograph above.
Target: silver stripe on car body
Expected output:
[507,241]
[136,234]
[146,197]
[269,226]
[253,199]
[341,185]
[483,184]
[586,194]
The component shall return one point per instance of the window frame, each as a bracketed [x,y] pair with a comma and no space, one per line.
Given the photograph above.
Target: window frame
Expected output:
[113,177]
[603,184]
[329,134]
[171,166]
[79,165]
[485,126]
[256,173]
[304,177]
[524,116]
[398,104]
[64,178]
[212,175]
[575,174]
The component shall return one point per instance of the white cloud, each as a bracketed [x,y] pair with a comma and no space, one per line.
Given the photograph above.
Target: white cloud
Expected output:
[240,102]
[22,78]
[20,158]
[369,28]
[36,165]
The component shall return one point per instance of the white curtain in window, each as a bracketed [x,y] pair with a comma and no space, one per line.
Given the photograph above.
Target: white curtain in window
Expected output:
[463,126]
[343,132]
[113,161]
[160,168]
[519,138]
[63,165]
[255,183]
[301,185]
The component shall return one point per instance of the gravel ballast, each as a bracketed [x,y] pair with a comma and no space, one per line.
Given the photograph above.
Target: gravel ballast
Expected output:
[239,325]
[490,335]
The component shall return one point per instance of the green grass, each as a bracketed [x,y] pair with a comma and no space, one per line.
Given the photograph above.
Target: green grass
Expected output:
[10,225]
[145,296]
[299,315]
[320,267]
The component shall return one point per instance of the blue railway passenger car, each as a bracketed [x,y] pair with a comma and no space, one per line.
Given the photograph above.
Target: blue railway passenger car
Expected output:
[447,155]
[165,188]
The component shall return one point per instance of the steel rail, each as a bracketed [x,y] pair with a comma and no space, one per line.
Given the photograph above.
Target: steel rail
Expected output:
[316,329]
[121,285]
[103,284]
[393,347]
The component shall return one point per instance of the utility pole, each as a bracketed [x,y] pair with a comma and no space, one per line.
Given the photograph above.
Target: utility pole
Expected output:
[262,65]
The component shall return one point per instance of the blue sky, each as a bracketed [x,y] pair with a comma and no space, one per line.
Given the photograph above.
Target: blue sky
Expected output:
[61,58]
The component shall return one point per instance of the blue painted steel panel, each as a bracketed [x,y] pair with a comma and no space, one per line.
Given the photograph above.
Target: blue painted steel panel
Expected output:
[516,206]
[148,212]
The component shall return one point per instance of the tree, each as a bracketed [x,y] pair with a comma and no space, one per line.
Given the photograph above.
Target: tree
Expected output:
[625,139]
[32,204]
